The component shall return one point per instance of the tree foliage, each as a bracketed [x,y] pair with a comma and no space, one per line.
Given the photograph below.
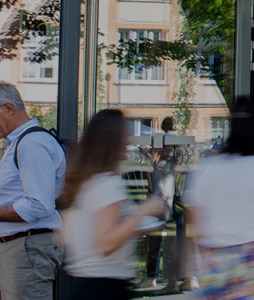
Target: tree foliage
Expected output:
[47,120]
[149,53]
[182,113]
[7,3]
[206,25]
[209,23]
[100,91]
[26,23]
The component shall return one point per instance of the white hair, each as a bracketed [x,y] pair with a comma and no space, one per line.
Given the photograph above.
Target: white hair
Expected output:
[9,93]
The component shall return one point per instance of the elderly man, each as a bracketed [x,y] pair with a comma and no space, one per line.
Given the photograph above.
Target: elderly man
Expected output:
[28,217]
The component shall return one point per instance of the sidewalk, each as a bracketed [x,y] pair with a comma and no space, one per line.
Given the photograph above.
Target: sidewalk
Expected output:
[184,296]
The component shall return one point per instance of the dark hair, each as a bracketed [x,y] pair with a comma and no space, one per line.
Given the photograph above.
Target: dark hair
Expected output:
[99,151]
[241,139]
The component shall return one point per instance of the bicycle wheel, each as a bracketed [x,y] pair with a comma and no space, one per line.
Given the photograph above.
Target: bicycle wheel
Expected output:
[134,158]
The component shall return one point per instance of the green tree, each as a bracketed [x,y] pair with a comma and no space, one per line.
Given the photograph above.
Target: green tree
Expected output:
[35,112]
[182,113]
[24,23]
[209,23]
[151,53]
[47,120]
[100,90]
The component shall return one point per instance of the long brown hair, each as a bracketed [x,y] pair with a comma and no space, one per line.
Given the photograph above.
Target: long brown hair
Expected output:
[99,151]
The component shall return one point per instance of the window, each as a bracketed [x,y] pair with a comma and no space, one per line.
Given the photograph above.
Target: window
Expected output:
[219,126]
[30,69]
[141,75]
[216,61]
[140,127]
[179,97]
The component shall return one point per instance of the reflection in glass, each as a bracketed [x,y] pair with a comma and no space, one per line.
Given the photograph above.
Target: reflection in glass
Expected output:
[140,127]
[140,72]
[169,66]
[81,70]
[29,35]
[123,73]
[157,73]
[158,68]
[220,126]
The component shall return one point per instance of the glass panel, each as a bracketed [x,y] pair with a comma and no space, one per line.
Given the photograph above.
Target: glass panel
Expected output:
[135,39]
[29,43]
[158,72]
[123,73]
[46,69]
[196,83]
[220,127]
[140,72]
[81,70]
[169,66]
[156,36]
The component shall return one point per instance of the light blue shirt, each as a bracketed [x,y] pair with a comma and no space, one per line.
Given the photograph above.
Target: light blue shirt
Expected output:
[33,188]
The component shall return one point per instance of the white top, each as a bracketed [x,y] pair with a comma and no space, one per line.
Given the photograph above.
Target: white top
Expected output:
[223,190]
[82,258]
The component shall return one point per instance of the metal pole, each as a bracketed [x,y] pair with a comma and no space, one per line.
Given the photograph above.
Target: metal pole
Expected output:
[67,111]
[92,8]
[243,43]
[67,114]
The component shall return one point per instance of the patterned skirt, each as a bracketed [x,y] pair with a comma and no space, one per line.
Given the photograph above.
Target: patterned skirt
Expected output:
[225,273]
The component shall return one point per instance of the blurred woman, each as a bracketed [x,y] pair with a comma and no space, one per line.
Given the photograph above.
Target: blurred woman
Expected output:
[221,193]
[98,229]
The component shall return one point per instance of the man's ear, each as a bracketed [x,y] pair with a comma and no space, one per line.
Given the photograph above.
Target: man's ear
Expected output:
[9,108]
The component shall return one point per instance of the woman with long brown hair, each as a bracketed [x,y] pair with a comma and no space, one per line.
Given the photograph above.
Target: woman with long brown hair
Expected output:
[98,228]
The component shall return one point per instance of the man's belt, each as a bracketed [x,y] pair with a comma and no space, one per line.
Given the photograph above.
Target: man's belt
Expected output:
[22,234]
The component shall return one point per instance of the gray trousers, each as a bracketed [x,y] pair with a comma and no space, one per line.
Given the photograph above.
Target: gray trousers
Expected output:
[28,266]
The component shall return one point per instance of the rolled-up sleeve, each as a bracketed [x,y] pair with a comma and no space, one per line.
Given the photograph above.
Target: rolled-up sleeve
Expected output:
[38,177]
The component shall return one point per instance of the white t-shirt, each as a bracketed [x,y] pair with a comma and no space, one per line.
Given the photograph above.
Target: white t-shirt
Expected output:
[82,258]
[223,191]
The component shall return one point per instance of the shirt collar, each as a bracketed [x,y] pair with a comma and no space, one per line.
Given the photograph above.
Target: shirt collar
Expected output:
[12,137]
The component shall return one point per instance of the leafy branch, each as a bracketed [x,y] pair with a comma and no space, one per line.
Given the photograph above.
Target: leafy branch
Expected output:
[7,3]
[182,113]
[100,93]
[149,53]
[31,22]
[210,23]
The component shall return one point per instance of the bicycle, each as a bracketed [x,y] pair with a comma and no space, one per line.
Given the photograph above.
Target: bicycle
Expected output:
[142,156]
[184,154]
